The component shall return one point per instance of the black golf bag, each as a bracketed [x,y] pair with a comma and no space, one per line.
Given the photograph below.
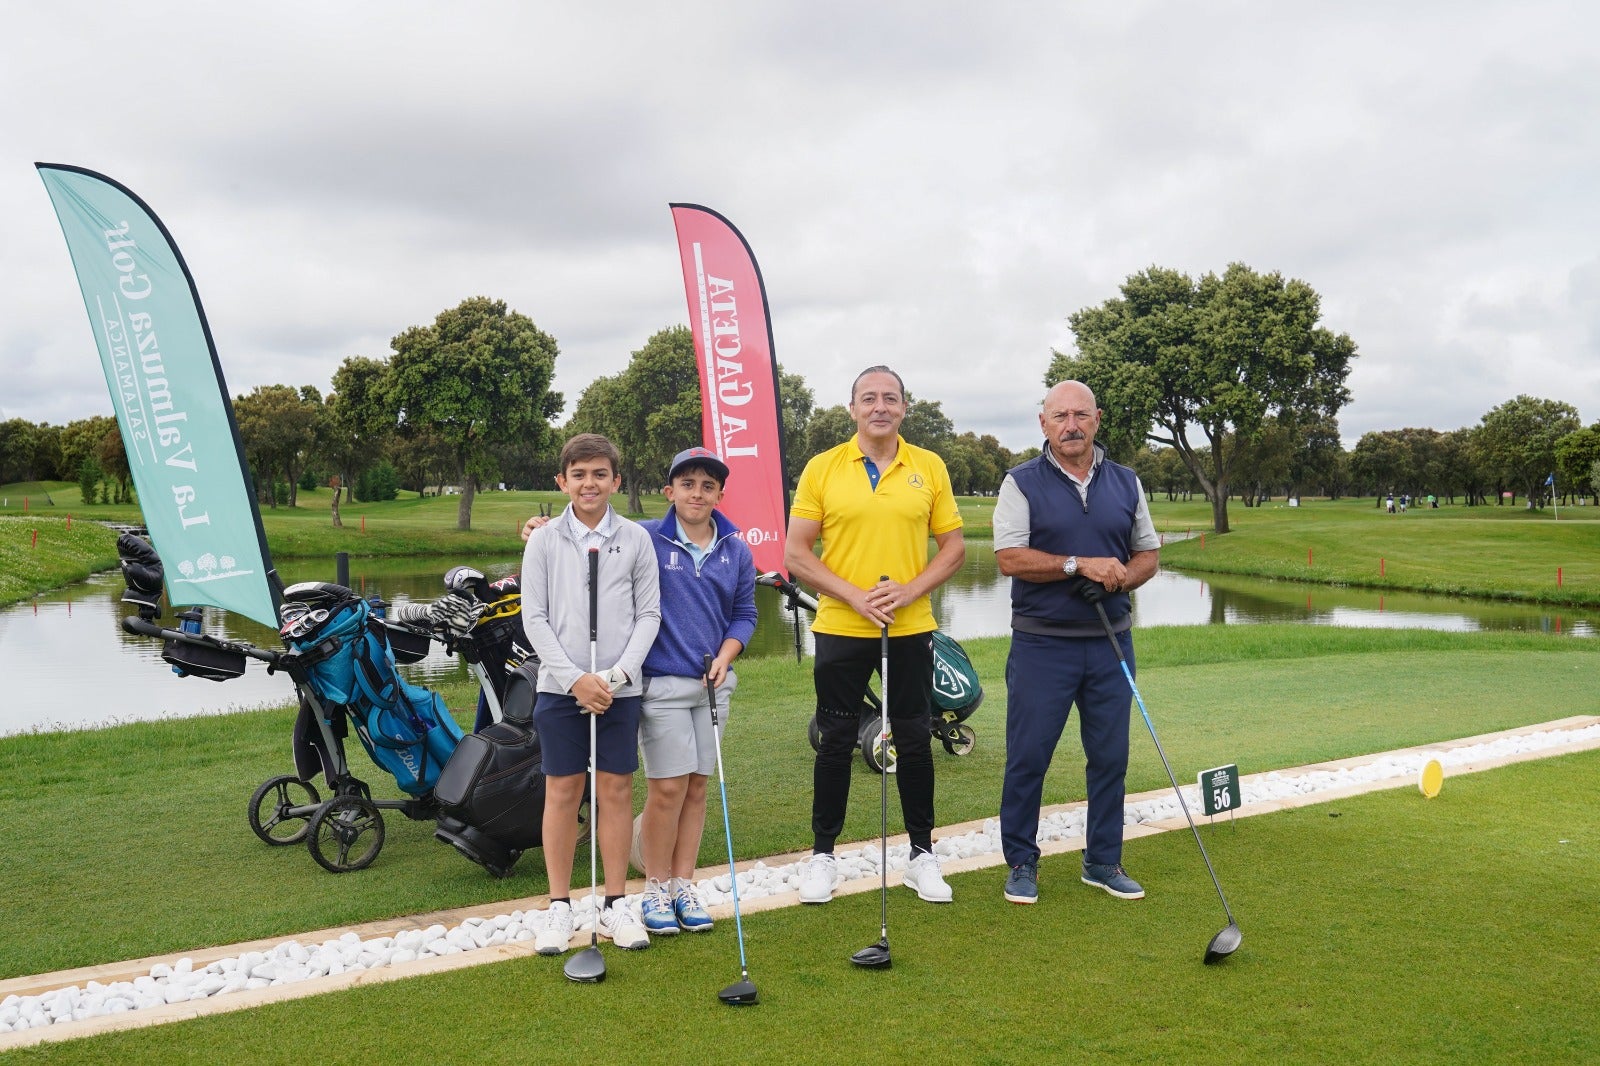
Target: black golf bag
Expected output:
[491,793]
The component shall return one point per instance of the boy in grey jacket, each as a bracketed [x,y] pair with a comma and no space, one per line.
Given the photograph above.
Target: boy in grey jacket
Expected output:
[555,613]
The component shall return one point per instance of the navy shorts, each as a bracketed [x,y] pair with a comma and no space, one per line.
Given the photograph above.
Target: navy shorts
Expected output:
[564,735]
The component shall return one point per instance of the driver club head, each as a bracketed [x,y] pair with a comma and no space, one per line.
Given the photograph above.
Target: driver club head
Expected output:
[1225,943]
[874,957]
[586,967]
[739,994]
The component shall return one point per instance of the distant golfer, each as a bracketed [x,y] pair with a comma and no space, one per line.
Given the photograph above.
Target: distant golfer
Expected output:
[874,501]
[1069,514]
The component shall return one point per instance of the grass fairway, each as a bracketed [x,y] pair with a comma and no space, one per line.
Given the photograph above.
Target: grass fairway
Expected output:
[1501,552]
[132,841]
[47,552]
[1386,928]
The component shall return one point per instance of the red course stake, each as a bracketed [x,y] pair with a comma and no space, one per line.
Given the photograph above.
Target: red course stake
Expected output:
[1380,566]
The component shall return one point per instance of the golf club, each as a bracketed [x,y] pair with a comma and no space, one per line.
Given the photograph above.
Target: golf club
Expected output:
[1227,941]
[876,956]
[742,993]
[588,965]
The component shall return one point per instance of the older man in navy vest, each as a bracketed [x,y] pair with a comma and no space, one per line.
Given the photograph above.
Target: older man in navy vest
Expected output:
[1071,528]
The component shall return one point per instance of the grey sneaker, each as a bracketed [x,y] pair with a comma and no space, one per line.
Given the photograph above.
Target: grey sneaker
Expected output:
[1113,878]
[1022,885]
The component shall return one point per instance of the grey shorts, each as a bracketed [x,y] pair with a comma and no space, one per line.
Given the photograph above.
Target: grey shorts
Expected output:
[675,725]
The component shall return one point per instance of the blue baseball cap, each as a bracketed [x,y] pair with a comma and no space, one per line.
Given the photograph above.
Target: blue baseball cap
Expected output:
[704,457]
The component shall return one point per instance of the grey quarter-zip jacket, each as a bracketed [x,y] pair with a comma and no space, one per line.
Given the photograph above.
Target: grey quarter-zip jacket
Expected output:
[555,602]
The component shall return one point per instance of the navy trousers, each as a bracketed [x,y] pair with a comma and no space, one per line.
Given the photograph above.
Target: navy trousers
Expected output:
[1045,677]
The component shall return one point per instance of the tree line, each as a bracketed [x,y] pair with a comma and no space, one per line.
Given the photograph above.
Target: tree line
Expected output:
[1220,386]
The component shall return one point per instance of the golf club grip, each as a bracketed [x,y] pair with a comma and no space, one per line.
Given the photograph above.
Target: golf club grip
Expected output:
[594,595]
[884,635]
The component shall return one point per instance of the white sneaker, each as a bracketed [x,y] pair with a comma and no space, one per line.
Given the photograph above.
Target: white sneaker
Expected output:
[923,875]
[556,931]
[820,878]
[621,926]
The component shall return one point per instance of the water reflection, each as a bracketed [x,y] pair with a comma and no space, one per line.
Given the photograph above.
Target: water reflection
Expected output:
[67,661]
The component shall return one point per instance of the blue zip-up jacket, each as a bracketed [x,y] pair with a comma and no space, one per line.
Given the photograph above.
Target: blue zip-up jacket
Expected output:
[700,608]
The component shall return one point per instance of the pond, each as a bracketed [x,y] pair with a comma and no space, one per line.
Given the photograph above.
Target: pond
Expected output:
[68,663]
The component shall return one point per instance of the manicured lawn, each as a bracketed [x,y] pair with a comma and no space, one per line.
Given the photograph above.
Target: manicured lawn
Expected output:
[132,840]
[1501,552]
[1376,929]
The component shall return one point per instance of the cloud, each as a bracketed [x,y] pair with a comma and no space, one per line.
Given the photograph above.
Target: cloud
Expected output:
[935,188]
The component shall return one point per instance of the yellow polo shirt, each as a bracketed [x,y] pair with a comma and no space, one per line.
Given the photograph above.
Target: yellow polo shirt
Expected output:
[867,533]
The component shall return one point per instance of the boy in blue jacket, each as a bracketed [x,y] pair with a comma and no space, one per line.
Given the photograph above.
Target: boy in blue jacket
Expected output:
[708,607]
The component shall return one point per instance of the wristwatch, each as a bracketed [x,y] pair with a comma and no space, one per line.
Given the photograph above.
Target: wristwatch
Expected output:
[1070,567]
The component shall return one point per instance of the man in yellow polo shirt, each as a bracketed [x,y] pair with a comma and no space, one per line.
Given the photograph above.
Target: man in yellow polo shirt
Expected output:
[874,501]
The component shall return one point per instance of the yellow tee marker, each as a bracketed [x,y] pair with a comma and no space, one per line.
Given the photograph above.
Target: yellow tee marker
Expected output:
[1431,779]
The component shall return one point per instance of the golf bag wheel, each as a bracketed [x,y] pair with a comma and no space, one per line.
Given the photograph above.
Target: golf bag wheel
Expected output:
[959,740]
[814,734]
[346,834]
[280,810]
[872,748]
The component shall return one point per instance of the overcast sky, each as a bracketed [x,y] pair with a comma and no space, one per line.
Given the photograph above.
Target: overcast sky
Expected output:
[934,186]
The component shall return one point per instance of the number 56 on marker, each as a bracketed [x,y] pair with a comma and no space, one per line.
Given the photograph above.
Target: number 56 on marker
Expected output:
[1219,790]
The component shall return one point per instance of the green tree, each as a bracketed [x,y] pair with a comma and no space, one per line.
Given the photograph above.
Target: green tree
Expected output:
[1576,455]
[379,482]
[360,423]
[796,401]
[421,458]
[926,425]
[479,377]
[664,380]
[89,475]
[19,440]
[1171,357]
[1263,461]
[1317,460]
[81,439]
[278,427]
[1518,442]
[650,411]
[828,427]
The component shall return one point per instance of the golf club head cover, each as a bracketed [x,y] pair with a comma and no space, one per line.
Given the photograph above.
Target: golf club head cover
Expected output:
[1091,591]
[411,613]
[469,582]
[141,572]
[454,612]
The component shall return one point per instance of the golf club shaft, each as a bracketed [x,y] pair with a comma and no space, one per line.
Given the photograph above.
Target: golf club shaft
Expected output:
[727,829]
[883,783]
[1127,673]
[594,767]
